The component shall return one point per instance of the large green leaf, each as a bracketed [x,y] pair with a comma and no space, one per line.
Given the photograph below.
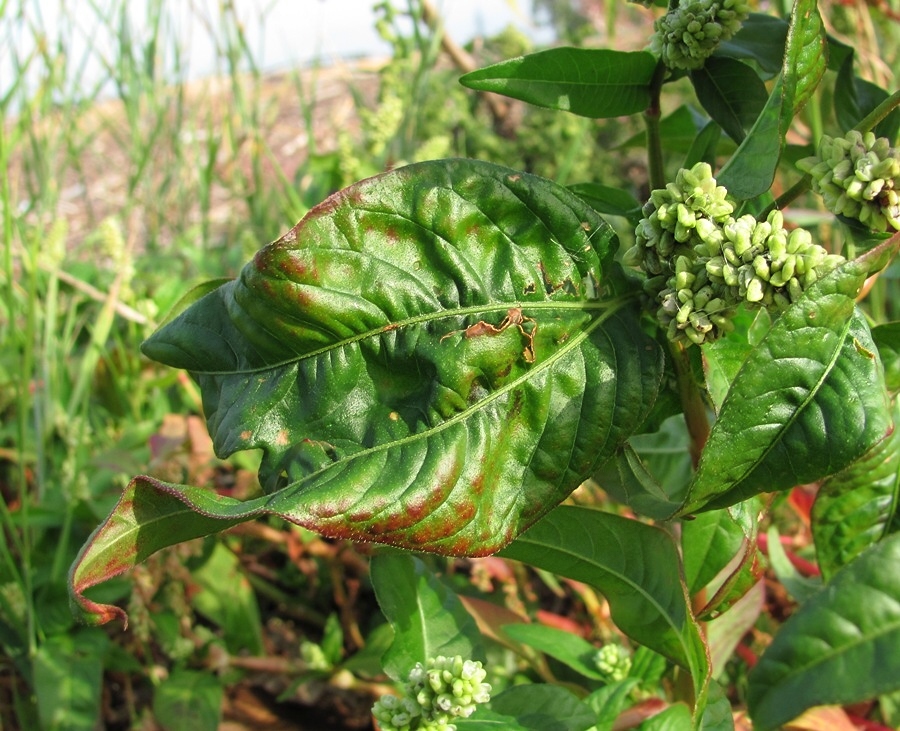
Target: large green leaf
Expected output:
[592,82]
[432,358]
[808,401]
[427,617]
[761,40]
[635,566]
[854,508]
[751,169]
[839,647]
[732,93]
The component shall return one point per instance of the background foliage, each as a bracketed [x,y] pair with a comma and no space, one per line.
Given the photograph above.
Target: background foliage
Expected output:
[269,623]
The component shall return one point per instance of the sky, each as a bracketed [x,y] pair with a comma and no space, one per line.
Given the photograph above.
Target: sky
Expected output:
[281,33]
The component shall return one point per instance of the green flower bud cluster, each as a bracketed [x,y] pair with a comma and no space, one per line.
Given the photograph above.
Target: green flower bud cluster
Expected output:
[435,694]
[677,218]
[702,263]
[688,34]
[763,264]
[613,661]
[858,176]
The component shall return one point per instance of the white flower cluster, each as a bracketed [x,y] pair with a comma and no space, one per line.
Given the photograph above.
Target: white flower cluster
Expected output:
[702,263]
[688,34]
[858,176]
[433,695]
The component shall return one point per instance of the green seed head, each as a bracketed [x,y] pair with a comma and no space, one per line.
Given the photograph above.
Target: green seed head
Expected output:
[858,176]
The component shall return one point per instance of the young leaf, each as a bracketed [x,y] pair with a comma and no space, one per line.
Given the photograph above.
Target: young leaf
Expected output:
[226,598]
[808,401]
[427,617]
[709,543]
[412,359]
[732,93]
[564,646]
[591,82]
[609,701]
[627,479]
[609,201]
[634,565]
[840,647]
[854,508]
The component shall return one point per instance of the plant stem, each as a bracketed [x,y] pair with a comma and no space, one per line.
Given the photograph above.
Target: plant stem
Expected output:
[879,113]
[795,191]
[691,398]
[691,401]
[655,166]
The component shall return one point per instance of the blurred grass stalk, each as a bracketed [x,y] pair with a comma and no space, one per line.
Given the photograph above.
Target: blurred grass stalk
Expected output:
[75,307]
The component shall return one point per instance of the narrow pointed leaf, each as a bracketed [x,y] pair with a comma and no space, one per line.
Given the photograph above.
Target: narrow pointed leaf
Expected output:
[709,543]
[751,169]
[535,707]
[412,359]
[808,401]
[634,565]
[568,648]
[840,647]
[427,617]
[854,508]
[591,82]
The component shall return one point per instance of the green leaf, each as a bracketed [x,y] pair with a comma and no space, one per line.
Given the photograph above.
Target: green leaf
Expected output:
[732,93]
[723,358]
[709,543]
[799,587]
[805,58]
[761,40]
[677,132]
[67,674]
[887,338]
[751,170]
[412,359]
[535,707]
[840,647]
[676,717]
[635,566]
[808,401]
[226,598]
[189,700]
[427,617]
[725,631]
[609,701]
[854,508]
[564,646]
[718,714]
[854,98]
[591,82]
[609,201]
[626,479]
